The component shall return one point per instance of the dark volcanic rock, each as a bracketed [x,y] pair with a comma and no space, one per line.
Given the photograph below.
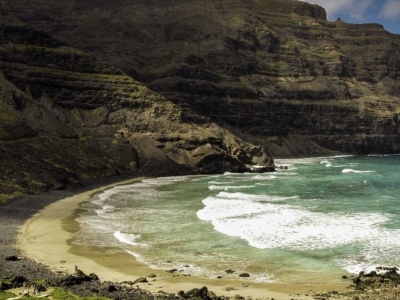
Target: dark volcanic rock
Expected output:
[388,277]
[110,288]
[140,280]
[67,118]
[4,286]
[93,276]
[197,294]
[281,74]
[11,258]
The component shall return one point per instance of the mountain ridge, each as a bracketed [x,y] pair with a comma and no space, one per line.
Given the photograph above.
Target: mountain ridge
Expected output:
[277,71]
[68,118]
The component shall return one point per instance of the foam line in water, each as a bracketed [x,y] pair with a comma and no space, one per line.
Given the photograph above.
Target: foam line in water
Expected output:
[138,257]
[108,220]
[126,238]
[142,189]
[380,250]
[327,163]
[196,270]
[133,254]
[286,173]
[263,184]
[231,173]
[264,177]
[105,209]
[253,197]
[220,182]
[145,183]
[294,161]
[369,260]
[107,194]
[355,171]
[307,160]
[269,226]
[228,205]
[229,187]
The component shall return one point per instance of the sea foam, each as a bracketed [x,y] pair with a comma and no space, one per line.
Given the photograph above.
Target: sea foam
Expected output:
[229,187]
[355,171]
[126,238]
[358,235]
[268,226]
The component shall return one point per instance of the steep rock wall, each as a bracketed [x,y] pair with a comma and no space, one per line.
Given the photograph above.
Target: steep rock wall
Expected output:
[68,118]
[276,70]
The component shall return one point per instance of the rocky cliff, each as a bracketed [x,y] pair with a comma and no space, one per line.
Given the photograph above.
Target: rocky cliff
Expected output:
[67,118]
[273,69]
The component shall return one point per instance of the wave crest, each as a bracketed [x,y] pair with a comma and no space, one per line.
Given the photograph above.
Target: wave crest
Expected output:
[355,171]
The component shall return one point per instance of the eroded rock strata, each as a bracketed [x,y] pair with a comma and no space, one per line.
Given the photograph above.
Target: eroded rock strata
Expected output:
[274,69]
[68,118]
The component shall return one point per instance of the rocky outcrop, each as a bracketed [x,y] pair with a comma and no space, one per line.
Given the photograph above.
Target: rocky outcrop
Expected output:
[68,118]
[276,70]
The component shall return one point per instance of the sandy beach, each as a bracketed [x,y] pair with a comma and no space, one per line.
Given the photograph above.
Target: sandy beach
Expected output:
[47,236]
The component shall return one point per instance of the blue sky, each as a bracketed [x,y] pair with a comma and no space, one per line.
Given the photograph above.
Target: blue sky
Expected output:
[385,12]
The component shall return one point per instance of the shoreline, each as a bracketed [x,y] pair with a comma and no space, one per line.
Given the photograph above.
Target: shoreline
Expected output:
[47,238]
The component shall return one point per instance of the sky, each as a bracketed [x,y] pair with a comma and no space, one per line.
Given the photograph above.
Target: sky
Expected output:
[385,12]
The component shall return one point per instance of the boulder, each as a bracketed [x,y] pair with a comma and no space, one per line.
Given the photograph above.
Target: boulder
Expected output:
[93,276]
[12,258]
[110,288]
[197,293]
[171,271]
[140,280]
[4,286]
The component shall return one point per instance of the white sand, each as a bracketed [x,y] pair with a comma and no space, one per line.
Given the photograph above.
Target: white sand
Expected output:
[45,238]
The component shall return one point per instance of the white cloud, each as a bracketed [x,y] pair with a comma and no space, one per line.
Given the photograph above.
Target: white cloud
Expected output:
[391,9]
[352,8]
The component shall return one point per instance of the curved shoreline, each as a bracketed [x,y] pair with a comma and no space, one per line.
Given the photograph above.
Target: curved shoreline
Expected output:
[46,238]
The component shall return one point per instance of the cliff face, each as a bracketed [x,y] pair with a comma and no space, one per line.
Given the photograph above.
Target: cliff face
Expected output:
[68,118]
[274,69]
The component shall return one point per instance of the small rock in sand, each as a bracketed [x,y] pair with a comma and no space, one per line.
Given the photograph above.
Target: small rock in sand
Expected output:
[140,280]
[171,270]
[12,258]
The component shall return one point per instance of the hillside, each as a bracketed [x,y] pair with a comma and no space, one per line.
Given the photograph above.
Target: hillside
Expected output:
[276,70]
[67,118]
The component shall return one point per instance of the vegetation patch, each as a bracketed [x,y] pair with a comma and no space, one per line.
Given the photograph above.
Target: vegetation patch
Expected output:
[5,197]
[5,295]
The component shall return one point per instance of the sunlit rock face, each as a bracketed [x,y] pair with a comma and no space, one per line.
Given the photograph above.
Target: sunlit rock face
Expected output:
[275,70]
[68,118]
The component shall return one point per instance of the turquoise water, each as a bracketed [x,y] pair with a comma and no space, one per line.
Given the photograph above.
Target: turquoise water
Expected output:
[321,218]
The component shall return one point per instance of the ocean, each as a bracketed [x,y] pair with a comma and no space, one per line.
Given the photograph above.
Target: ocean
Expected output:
[316,221]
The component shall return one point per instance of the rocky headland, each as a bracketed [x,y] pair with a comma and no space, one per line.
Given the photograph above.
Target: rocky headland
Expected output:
[69,118]
[274,70]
